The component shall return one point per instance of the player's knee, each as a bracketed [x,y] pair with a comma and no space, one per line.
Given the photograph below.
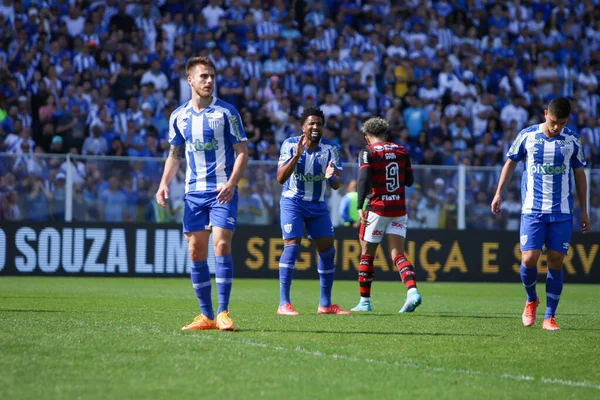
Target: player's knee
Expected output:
[328,254]
[196,254]
[555,260]
[529,260]
[222,247]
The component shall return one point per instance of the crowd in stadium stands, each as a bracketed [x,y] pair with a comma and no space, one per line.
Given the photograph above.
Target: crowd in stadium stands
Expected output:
[456,79]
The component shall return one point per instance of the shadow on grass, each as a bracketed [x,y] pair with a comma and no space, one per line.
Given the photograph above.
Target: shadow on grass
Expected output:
[38,297]
[580,329]
[346,332]
[442,315]
[32,311]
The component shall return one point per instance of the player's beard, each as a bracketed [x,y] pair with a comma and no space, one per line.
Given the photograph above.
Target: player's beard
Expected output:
[314,138]
[204,92]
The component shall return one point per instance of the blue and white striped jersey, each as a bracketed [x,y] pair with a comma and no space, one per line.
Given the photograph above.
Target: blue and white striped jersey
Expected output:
[308,180]
[209,137]
[546,185]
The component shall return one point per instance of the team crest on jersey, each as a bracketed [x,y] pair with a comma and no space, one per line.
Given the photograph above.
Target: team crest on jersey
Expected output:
[320,159]
[565,151]
[524,239]
[215,119]
[287,228]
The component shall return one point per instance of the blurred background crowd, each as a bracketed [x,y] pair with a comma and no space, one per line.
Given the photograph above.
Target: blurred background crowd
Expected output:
[457,80]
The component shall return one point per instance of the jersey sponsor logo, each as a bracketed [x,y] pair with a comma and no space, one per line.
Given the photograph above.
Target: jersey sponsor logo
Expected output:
[201,146]
[235,127]
[524,240]
[547,169]
[287,228]
[309,177]
[390,156]
[335,154]
[385,147]
[535,141]
[365,158]
[214,115]
[391,197]
[580,155]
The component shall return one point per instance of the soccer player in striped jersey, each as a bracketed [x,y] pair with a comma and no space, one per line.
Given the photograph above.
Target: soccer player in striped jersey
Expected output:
[209,132]
[384,171]
[307,164]
[550,151]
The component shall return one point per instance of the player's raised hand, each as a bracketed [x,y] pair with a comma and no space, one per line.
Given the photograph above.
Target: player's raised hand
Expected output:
[300,146]
[330,170]
[161,195]
[585,222]
[496,204]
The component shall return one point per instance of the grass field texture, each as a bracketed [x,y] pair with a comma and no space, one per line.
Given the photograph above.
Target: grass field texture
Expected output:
[120,338]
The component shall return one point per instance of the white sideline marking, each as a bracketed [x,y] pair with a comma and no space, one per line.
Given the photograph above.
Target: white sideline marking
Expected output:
[300,350]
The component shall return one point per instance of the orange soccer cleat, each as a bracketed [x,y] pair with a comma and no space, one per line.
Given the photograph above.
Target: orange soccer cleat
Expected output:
[530,311]
[332,309]
[550,324]
[201,322]
[287,309]
[225,323]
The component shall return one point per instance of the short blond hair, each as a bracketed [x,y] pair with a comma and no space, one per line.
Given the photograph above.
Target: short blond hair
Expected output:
[195,61]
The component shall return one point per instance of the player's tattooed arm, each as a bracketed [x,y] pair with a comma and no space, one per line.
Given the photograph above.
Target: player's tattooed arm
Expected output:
[177,152]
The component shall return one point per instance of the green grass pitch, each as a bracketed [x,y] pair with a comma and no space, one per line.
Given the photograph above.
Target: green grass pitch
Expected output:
[120,338]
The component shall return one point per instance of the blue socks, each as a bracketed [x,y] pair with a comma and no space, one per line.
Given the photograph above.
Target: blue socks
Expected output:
[287,263]
[224,279]
[554,285]
[326,268]
[202,286]
[529,279]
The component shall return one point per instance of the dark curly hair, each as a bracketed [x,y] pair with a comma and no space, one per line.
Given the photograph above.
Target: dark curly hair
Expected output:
[312,111]
[560,107]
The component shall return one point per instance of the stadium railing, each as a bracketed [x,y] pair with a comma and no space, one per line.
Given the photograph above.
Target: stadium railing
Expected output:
[443,197]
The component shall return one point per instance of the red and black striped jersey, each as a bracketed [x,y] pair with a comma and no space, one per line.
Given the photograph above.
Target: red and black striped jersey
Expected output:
[389,164]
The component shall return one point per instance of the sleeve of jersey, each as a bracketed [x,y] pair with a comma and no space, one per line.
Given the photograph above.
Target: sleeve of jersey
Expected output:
[409,177]
[236,128]
[285,154]
[175,136]
[578,157]
[364,177]
[517,149]
[335,156]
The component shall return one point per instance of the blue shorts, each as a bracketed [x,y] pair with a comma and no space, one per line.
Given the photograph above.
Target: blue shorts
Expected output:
[550,229]
[202,210]
[295,214]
